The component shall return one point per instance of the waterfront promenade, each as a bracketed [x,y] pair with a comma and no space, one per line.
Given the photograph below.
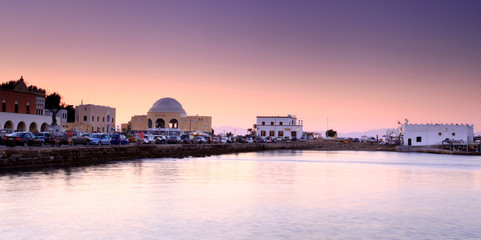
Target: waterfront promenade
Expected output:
[38,157]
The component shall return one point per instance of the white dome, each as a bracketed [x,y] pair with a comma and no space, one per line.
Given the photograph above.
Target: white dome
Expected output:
[167,105]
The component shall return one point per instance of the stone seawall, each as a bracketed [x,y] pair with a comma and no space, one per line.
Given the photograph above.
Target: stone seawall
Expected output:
[34,157]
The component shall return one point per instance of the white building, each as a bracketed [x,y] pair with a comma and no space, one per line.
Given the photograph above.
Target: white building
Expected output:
[434,134]
[25,122]
[279,126]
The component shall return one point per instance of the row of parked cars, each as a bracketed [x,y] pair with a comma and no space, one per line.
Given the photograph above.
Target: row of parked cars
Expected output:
[79,138]
[69,138]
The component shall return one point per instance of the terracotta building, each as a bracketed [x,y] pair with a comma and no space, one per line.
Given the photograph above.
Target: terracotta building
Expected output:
[16,97]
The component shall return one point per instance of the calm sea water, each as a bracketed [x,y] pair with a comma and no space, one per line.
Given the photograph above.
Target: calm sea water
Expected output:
[266,195]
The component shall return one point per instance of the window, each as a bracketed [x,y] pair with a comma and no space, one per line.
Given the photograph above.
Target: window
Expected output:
[92,118]
[280,123]
[98,119]
[263,123]
[113,120]
[454,134]
[419,139]
[440,134]
[263,133]
[85,119]
[28,109]
[4,106]
[272,123]
[272,133]
[280,133]
[16,107]
[103,119]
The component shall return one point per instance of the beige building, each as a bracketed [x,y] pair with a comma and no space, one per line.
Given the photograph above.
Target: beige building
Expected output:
[94,118]
[168,116]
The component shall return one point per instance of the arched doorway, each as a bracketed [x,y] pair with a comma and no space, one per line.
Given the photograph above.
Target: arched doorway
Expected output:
[43,127]
[8,125]
[293,134]
[21,126]
[149,123]
[33,127]
[160,123]
[173,123]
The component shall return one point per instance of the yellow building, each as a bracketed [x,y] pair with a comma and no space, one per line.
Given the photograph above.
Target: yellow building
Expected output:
[168,115]
[94,118]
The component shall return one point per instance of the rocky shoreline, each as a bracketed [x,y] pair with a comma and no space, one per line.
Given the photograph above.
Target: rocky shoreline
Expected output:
[37,157]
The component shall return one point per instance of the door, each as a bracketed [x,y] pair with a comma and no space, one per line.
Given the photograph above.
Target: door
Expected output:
[409,142]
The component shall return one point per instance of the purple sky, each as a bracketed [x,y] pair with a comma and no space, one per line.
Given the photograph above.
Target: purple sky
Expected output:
[363,64]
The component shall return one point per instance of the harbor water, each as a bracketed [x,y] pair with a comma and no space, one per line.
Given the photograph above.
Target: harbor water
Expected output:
[289,194]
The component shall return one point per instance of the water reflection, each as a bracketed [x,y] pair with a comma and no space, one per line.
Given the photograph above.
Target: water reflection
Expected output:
[264,195]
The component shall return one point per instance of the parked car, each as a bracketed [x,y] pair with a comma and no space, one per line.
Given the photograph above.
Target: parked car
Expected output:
[201,139]
[160,139]
[173,139]
[260,140]
[119,139]
[187,138]
[77,137]
[100,139]
[3,133]
[148,139]
[249,140]
[302,139]
[46,137]
[22,139]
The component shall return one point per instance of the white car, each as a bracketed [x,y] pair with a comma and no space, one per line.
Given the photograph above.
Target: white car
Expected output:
[249,140]
[201,139]
[148,139]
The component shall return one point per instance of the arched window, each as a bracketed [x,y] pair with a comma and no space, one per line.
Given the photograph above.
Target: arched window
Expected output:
[21,126]
[108,118]
[280,133]
[149,123]
[160,123]
[272,133]
[173,123]
[272,123]
[263,133]
[263,123]
[33,127]
[8,125]
[280,123]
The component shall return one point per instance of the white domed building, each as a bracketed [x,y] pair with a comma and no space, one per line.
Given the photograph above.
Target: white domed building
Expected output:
[167,116]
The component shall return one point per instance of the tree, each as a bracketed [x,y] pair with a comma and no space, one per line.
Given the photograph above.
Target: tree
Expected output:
[70,113]
[54,103]
[331,133]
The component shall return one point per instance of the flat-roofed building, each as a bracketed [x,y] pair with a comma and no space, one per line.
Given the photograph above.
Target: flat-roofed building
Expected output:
[279,126]
[94,118]
[434,134]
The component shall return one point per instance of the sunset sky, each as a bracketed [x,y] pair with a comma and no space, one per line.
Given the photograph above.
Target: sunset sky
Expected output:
[362,64]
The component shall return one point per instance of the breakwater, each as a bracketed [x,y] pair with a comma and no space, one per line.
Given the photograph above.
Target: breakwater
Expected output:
[35,157]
